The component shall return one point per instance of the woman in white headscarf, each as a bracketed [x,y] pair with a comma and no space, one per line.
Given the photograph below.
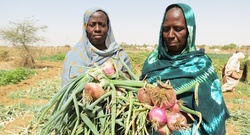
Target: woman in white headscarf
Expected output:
[96,46]
[232,73]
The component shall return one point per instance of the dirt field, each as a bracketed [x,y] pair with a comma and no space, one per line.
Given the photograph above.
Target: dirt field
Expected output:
[53,71]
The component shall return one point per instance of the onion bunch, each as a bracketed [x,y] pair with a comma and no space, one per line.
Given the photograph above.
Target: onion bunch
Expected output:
[106,101]
[166,114]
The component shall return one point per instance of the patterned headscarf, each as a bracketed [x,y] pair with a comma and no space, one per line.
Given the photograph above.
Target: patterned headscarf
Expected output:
[186,69]
[85,54]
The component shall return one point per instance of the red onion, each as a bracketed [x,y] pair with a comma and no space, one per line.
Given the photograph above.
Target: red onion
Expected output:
[176,107]
[163,130]
[162,96]
[176,121]
[108,68]
[93,91]
[158,117]
[144,97]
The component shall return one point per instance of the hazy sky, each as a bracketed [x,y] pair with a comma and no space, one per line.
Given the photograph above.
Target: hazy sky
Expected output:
[219,22]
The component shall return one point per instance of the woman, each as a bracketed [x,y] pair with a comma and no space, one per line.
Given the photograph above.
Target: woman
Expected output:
[232,72]
[97,45]
[176,59]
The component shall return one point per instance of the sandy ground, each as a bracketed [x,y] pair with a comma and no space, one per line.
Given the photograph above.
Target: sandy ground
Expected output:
[54,69]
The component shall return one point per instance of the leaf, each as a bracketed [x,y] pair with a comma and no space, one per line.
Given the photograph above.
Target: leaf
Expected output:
[91,125]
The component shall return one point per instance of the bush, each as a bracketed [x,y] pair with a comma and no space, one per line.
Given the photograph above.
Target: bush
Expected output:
[14,76]
[229,47]
[55,58]
[4,55]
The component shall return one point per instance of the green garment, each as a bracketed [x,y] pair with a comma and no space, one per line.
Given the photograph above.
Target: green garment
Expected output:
[246,71]
[185,70]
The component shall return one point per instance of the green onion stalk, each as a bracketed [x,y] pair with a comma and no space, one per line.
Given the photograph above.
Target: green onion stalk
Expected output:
[68,112]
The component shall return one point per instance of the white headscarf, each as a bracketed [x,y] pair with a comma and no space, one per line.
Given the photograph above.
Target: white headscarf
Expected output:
[233,63]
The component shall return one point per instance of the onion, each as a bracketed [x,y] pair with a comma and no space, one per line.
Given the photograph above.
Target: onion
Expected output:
[108,68]
[162,97]
[93,91]
[144,97]
[119,91]
[176,121]
[176,107]
[163,130]
[158,117]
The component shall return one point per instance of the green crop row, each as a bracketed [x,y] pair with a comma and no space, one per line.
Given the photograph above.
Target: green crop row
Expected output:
[14,76]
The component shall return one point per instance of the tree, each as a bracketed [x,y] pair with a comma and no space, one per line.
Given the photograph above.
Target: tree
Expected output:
[231,46]
[23,33]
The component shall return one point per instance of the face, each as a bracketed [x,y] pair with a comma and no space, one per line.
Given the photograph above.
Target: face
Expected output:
[175,31]
[97,29]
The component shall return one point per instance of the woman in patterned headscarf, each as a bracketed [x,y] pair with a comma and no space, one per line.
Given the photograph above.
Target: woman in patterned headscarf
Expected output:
[177,60]
[97,45]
